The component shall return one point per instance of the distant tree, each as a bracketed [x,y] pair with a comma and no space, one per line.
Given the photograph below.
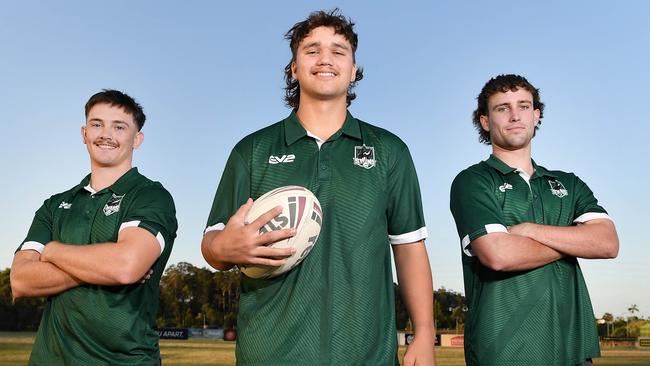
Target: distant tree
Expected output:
[24,314]
[449,301]
[401,314]
[445,302]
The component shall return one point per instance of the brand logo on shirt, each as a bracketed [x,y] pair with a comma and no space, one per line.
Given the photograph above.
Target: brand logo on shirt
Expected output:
[64,205]
[557,188]
[113,205]
[281,159]
[505,186]
[364,156]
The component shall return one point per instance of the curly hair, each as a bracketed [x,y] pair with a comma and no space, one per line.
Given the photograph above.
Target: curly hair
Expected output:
[119,99]
[332,19]
[502,84]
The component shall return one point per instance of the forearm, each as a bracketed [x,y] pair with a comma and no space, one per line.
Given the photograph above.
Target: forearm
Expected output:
[210,250]
[594,239]
[510,252]
[32,278]
[99,264]
[414,277]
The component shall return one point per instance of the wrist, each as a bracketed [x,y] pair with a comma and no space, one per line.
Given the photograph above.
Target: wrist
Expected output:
[48,250]
[424,331]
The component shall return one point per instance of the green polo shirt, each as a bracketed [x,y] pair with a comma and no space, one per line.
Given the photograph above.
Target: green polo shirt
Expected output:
[536,317]
[337,306]
[102,325]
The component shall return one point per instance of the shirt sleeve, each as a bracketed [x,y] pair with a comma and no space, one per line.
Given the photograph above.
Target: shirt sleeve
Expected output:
[404,211]
[475,208]
[586,206]
[40,232]
[153,210]
[233,191]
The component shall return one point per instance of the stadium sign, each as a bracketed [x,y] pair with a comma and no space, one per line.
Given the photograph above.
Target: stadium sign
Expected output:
[172,333]
[644,342]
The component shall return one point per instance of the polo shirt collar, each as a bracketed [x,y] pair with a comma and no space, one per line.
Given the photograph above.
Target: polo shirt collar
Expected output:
[121,186]
[502,167]
[294,130]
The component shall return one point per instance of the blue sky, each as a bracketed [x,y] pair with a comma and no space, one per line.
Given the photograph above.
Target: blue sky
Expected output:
[208,73]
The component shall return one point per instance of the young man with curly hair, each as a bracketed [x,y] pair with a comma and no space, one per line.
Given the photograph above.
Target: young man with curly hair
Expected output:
[522,229]
[337,306]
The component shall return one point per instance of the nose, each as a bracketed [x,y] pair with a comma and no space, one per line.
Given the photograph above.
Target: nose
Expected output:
[106,132]
[514,115]
[325,58]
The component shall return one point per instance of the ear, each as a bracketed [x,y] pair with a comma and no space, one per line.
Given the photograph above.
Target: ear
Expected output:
[138,139]
[536,113]
[83,135]
[485,122]
[354,73]
[293,70]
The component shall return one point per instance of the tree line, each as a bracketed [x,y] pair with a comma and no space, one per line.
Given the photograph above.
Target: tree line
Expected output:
[193,297]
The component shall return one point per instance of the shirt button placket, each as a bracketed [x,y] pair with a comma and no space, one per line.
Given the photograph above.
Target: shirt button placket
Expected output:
[323,162]
[537,203]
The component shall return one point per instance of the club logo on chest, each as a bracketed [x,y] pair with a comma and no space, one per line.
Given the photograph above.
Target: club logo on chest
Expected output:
[557,188]
[364,156]
[113,204]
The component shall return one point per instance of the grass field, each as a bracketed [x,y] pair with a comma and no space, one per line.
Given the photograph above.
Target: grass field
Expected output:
[15,348]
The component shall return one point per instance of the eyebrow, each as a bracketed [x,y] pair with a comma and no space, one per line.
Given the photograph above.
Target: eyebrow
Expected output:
[318,44]
[524,101]
[118,121]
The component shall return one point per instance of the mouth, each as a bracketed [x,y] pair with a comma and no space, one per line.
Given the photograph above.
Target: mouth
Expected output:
[516,128]
[106,145]
[326,74]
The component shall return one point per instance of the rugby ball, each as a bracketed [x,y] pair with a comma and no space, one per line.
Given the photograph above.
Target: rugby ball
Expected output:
[301,211]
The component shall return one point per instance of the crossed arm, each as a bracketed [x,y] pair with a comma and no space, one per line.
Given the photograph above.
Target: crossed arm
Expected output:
[528,245]
[63,266]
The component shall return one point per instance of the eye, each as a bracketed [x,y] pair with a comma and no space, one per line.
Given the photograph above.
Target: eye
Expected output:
[525,107]
[502,109]
[120,128]
[95,124]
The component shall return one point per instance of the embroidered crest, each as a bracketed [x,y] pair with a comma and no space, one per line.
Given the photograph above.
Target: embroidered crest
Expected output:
[364,156]
[113,205]
[505,186]
[557,188]
[66,206]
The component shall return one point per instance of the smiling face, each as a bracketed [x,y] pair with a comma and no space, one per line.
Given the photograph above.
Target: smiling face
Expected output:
[324,66]
[110,135]
[511,119]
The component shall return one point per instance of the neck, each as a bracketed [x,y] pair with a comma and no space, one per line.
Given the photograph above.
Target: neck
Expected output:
[322,118]
[520,158]
[102,177]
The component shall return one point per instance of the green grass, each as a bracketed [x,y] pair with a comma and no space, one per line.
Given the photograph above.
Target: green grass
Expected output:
[15,348]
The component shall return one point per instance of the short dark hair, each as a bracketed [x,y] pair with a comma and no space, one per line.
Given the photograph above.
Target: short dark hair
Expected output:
[119,99]
[332,19]
[502,84]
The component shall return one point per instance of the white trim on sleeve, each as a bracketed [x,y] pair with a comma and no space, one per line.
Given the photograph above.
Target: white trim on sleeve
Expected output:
[136,223]
[591,216]
[407,238]
[219,226]
[489,228]
[32,245]
[464,244]
[161,241]
[133,223]
[495,228]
